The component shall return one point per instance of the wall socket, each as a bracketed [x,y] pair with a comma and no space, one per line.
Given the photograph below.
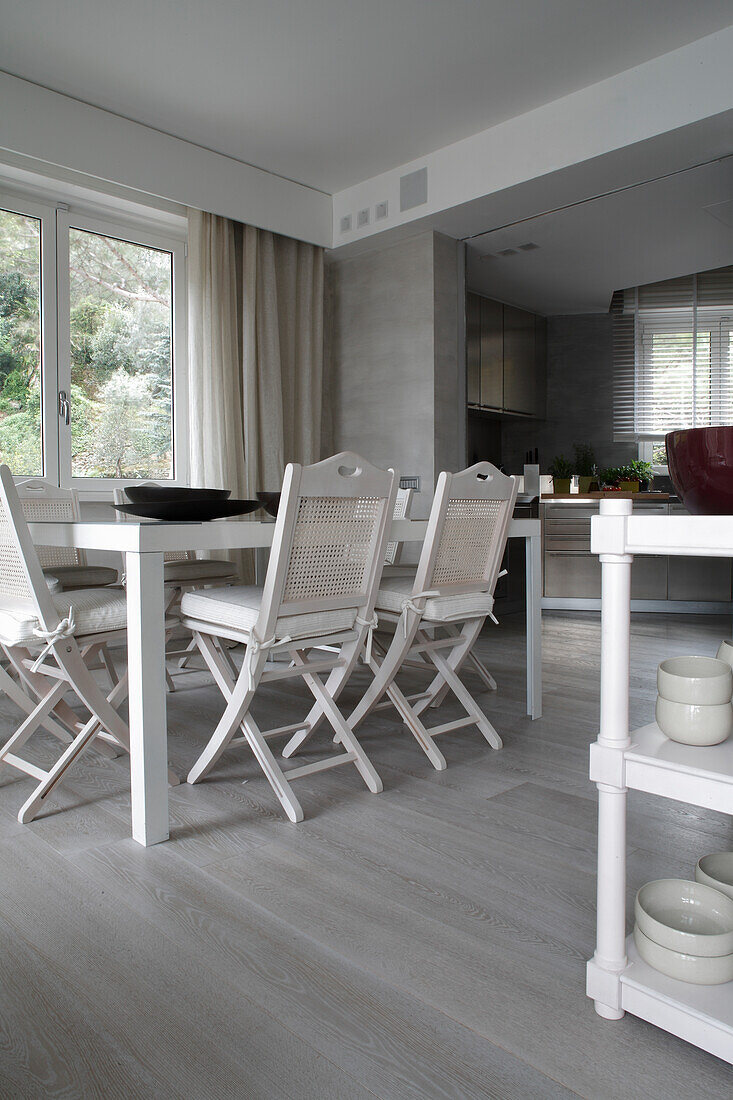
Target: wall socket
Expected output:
[363,218]
[381,210]
[410,482]
[346,223]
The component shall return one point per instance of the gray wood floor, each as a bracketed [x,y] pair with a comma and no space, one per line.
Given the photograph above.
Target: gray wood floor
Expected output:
[426,942]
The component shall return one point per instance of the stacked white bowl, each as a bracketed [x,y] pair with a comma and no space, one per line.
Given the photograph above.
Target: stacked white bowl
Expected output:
[685,930]
[694,701]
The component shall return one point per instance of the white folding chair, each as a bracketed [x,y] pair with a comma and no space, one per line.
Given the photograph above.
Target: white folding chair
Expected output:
[65,626]
[327,552]
[68,565]
[439,614]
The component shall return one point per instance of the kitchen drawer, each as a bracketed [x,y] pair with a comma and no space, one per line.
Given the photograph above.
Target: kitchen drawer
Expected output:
[578,576]
[572,575]
[699,579]
[563,540]
[568,513]
[649,578]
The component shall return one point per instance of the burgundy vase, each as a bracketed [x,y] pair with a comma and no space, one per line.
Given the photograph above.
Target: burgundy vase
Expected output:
[701,467]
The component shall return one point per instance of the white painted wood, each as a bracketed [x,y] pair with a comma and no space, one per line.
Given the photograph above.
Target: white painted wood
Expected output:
[533,569]
[647,761]
[146,670]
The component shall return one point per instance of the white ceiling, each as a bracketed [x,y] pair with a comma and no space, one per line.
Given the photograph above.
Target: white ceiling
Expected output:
[654,231]
[330,92]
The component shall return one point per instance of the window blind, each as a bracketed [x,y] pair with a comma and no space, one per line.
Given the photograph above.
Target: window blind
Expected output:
[673,355]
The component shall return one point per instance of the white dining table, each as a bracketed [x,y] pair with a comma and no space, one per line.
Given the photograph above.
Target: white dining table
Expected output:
[144,543]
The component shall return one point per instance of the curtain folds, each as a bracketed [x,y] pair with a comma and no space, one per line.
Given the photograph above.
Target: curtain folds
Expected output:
[255,319]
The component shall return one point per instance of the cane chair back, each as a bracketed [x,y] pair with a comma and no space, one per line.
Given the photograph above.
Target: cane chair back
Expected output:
[402,505]
[21,571]
[467,531]
[330,538]
[45,503]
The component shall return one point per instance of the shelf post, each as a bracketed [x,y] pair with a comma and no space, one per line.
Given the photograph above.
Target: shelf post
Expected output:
[610,954]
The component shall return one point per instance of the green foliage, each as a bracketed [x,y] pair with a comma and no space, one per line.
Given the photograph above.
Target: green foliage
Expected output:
[121,384]
[641,470]
[632,471]
[585,459]
[561,467]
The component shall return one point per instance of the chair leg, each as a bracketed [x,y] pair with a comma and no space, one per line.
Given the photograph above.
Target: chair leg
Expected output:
[466,699]
[238,702]
[235,717]
[28,727]
[341,727]
[30,807]
[465,640]
[274,773]
[24,703]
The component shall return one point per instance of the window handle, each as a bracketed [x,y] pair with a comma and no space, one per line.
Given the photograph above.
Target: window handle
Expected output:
[64,406]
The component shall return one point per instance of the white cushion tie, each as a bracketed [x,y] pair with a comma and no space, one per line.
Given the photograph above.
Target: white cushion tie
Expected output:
[255,646]
[65,629]
[409,604]
[372,625]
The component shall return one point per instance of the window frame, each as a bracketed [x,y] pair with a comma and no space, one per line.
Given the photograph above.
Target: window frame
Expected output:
[56,220]
[46,215]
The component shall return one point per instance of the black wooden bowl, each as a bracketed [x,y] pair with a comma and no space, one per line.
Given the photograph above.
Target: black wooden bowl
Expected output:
[270,502]
[151,494]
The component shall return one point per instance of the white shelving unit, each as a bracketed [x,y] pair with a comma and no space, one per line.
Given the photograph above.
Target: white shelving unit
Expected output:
[617,979]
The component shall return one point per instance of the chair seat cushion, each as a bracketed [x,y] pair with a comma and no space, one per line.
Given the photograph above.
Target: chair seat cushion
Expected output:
[82,576]
[393,591]
[94,610]
[238,607]
[202,569]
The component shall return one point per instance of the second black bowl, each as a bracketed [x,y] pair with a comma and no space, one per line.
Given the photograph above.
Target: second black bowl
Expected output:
[151,494]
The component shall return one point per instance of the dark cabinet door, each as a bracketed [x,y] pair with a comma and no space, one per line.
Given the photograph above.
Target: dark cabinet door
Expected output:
[473,349]
[540,368]
[519,361]
[492,354]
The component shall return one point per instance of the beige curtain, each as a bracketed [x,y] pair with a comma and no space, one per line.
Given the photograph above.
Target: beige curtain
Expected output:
[255,318]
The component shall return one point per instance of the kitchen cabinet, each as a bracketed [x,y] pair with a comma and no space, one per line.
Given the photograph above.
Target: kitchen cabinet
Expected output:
[492,354]
[505,358]
[572,573]
[519,372]
[473,349]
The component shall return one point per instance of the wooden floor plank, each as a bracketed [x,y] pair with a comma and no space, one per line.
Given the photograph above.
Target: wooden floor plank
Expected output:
[426,942]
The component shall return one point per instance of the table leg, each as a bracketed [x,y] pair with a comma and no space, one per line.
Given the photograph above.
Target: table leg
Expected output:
[533,566]
[146,668]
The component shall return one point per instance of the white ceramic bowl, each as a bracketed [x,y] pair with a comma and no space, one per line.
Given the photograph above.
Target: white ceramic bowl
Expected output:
[685,968]
[716,871]
[694,725]
[704,681]
[685,916]
[725,651]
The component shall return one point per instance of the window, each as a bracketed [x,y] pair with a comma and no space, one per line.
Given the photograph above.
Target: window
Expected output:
[673,358]
[92,348]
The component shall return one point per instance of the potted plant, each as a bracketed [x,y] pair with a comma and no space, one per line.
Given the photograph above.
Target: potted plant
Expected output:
[585,468]
[628,478]
[562,472]
[644,474]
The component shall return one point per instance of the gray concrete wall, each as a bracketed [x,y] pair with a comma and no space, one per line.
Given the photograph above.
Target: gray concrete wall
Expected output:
[395,357]
[579,398]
